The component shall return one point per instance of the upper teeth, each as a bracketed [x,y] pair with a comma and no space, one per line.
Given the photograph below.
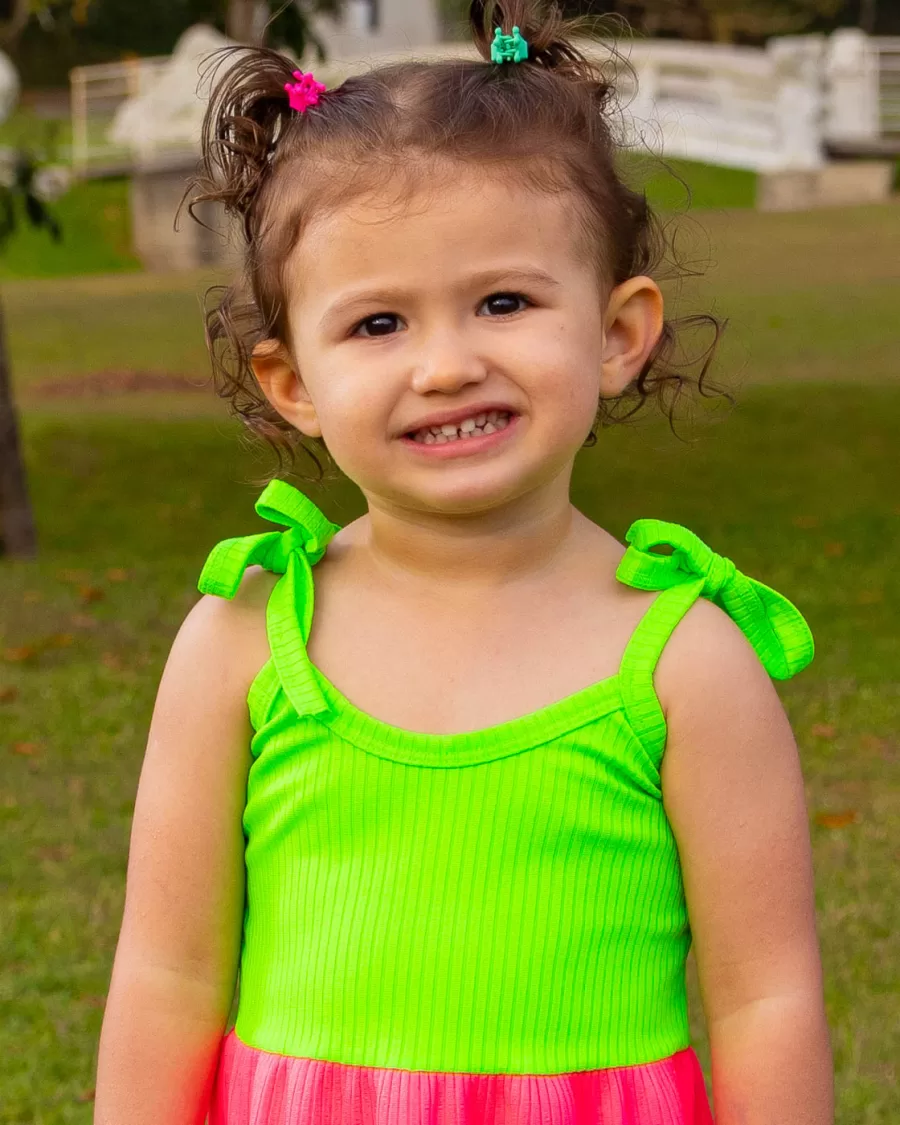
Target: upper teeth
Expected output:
[478,424]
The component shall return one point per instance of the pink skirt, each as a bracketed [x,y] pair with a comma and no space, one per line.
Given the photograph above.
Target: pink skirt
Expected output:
[258,1088]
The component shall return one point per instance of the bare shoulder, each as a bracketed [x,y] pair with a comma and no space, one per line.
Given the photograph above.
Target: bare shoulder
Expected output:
[707,660]
[726,726]
[232,633]
[729,745]
[250,600]
[218,651]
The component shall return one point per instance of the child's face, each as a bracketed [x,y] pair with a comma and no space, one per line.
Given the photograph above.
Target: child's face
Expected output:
[473,295]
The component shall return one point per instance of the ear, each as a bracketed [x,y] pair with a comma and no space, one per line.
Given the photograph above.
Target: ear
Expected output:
[283,387]
[631,328]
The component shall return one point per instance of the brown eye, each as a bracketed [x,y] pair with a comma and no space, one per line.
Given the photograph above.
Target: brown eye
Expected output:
[384,324]
[505,304]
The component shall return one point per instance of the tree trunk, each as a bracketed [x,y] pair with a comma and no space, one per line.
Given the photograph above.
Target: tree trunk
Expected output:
[13,22]
[17,535]
[722,25]
[868,16]
[246,21]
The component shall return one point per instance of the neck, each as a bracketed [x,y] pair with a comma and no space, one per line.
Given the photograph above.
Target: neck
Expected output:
[484,549]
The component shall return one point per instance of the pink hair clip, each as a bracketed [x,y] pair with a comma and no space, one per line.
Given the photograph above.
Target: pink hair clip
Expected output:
[304,92]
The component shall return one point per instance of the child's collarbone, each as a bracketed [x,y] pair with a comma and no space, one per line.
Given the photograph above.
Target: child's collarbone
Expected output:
[467,671]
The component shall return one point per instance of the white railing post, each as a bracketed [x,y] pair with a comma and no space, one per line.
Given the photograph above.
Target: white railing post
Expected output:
[799,102]
[358,16]
[78,109]
[851,80]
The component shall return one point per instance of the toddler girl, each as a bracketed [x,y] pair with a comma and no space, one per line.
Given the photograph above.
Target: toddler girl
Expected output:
[459,819]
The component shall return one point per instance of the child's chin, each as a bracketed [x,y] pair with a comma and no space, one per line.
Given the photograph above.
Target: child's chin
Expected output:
[471,496]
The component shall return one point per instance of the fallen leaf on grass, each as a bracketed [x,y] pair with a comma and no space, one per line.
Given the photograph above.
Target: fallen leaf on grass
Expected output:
[21,654]
[56,853]
[117,574]
[8,694]
[869,597]
[82,621]
[72,575]
[32,596]
[90,594]
[834,550]
[824,730]
[836,820]
[111,661]
[93,1001]
[806,522]
[60,640]
[26,749]
[86,1096]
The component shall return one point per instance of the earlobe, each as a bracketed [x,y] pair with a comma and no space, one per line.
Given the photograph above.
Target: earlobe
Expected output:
[282,386]
[632,327]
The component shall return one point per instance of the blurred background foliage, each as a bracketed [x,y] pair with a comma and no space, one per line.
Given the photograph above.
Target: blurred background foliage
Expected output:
[46,38]
[60,34]
[735,21]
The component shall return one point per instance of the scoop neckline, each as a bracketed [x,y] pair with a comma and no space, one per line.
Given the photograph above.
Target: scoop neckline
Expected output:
[486,744]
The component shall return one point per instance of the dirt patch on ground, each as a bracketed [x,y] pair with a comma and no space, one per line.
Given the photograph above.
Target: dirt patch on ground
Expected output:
[103,383]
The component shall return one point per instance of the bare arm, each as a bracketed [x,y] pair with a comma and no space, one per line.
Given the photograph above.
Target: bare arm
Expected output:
[734,794]
[176,963]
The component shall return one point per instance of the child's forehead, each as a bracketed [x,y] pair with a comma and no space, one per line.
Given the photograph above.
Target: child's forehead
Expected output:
[471,213]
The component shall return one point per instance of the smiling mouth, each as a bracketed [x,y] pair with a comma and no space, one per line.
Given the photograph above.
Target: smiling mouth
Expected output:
[476,426]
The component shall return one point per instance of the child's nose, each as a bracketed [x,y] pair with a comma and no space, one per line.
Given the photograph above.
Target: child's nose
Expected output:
[446,363]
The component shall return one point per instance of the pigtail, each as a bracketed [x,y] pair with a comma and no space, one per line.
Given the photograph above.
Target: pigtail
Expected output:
[248,118]
[548,33]
[247,114]
[551,50]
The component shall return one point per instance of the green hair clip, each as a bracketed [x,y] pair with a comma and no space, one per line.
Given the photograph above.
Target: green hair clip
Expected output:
[509,48]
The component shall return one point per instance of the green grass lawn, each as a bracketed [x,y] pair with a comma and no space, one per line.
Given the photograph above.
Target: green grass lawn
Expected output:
[95,221]
[798,485]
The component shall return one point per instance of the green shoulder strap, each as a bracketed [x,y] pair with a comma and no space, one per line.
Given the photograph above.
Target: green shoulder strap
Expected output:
[774,627]
[291,553]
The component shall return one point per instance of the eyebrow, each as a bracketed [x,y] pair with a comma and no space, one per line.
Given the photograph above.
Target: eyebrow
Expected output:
[397,295]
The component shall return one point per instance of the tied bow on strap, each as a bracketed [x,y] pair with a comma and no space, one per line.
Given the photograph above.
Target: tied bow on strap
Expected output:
[308,533]
[773,626]
[289,611]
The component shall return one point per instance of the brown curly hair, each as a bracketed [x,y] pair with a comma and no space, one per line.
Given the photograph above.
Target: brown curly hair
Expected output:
[550,120]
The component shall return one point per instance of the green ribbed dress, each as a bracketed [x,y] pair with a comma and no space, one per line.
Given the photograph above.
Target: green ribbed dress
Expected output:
[505,903]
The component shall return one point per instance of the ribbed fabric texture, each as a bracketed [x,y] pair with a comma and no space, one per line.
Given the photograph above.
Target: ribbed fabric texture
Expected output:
[257,1088]
[500,903]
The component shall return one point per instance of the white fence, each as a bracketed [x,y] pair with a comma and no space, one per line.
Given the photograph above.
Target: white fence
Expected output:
[777,108]
[740,107]
[97,94]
